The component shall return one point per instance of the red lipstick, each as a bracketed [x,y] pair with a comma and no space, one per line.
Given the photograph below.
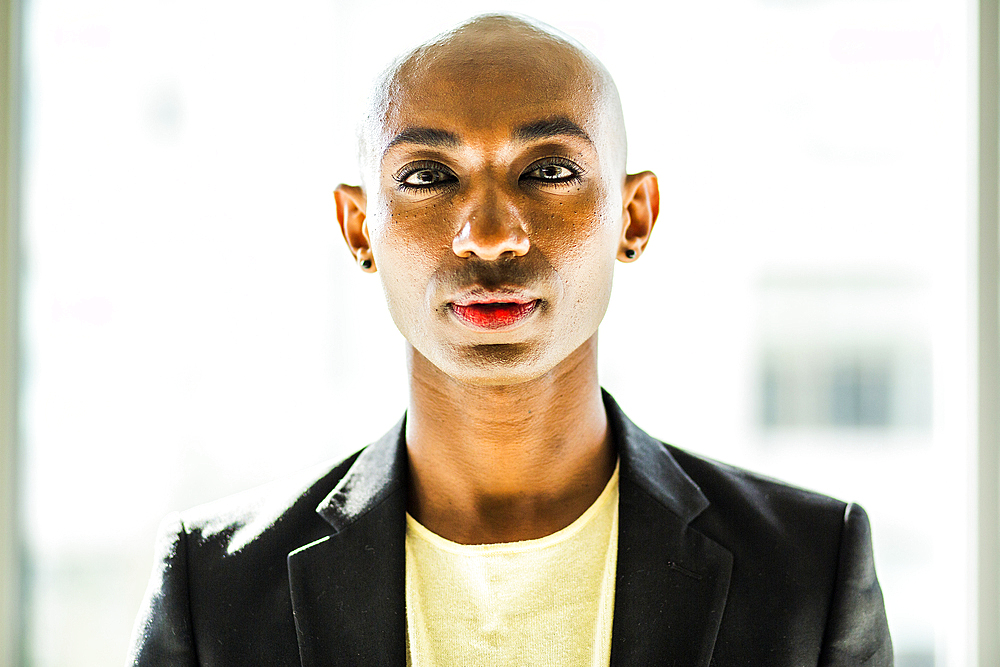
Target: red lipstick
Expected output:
[497,310]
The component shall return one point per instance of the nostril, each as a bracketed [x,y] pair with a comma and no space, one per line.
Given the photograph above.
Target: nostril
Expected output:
[490,244]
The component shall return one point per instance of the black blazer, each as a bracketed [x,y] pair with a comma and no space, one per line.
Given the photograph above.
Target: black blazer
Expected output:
[716,566]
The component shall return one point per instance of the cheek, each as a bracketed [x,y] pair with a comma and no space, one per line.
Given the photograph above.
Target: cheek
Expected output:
[407,247]
[407,241]
[582,247]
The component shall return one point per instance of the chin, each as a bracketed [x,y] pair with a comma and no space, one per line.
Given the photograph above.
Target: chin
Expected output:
[495,365]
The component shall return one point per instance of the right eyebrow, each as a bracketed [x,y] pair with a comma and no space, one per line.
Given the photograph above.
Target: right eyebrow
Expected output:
[426,136]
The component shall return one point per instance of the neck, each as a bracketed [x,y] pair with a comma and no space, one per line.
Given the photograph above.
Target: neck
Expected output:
[506,463]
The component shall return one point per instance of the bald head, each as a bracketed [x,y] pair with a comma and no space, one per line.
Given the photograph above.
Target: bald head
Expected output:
[493,60]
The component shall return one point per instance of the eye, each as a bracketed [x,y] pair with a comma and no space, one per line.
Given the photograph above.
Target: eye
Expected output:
[422,176]
[553,170]
[425,177]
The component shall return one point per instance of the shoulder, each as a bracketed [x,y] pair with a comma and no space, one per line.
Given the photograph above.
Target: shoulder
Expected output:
[751,512]
[800,559]
[730,485]
[276,513]
[727,503]
[221,567]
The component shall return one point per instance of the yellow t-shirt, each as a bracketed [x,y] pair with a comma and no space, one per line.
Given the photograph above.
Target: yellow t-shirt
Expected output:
[545,602]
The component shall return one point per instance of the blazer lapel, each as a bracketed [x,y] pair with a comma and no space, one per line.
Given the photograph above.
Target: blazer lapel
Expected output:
[672,581]
[347,589]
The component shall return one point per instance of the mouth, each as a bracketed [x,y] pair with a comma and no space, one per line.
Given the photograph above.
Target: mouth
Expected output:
[492,311]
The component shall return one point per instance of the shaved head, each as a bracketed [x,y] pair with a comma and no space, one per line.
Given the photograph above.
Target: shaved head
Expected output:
[495,52]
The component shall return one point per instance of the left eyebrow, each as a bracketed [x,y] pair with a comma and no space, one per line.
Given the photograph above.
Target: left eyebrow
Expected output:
[550,127]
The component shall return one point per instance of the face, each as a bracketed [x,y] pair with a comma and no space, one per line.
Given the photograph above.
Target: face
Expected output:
[494,212]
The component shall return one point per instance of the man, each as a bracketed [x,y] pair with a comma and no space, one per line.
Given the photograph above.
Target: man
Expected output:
[515,516]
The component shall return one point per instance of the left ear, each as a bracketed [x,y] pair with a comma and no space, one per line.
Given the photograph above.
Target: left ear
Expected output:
[640,207]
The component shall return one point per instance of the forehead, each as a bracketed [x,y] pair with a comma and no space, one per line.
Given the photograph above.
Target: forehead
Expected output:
[488,89]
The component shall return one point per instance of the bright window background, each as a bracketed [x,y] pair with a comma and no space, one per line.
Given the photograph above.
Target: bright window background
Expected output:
[194,325]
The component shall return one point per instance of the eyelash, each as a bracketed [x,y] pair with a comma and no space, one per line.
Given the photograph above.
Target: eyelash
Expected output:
[411,169]
[574,169]
[449,177]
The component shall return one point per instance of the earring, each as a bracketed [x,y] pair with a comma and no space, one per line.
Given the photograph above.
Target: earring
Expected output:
[366,264]
[630,253]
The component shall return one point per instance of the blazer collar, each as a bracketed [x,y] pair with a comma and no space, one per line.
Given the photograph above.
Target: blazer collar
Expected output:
[648,463]
[671,581]
[379,471]
[348,589]
[381,468]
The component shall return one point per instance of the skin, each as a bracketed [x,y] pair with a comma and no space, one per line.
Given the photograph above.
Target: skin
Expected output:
[519,188]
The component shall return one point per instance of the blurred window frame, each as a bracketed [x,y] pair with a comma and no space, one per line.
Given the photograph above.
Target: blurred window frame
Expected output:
[986,605]
[10,136]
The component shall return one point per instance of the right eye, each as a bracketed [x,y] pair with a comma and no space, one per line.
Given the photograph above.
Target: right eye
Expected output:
[426,176]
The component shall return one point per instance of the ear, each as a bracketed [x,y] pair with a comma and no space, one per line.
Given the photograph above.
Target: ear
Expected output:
[351,206]
[640,207]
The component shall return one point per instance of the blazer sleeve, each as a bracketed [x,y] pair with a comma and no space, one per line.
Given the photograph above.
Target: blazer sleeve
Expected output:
[162,634]
[857,631]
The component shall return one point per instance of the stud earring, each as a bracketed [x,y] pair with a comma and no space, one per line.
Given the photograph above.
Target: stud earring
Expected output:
[630,253]
[366,264]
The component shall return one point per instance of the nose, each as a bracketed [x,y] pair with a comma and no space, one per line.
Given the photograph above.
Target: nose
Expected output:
[492,228]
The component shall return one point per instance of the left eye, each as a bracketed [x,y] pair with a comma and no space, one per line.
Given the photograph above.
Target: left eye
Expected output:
[551,172]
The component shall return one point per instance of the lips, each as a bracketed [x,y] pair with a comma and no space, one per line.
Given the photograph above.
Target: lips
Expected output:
[490,314]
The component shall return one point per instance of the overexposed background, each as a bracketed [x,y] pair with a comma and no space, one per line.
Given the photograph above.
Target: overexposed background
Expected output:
[194,324]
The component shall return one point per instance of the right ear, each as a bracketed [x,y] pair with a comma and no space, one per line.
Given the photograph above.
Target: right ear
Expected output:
[351,206]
